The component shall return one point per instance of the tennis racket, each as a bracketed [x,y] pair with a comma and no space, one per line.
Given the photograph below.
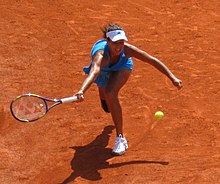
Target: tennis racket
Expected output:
[31,107]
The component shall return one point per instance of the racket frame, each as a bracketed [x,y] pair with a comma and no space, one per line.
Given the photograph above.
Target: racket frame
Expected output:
[45,100]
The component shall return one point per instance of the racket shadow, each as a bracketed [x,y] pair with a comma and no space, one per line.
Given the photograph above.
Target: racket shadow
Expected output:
[91,158]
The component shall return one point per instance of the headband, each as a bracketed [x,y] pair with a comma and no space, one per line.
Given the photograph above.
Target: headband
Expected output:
[116,35]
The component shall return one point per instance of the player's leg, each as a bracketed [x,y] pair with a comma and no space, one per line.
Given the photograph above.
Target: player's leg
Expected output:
[110,95]
[116,81]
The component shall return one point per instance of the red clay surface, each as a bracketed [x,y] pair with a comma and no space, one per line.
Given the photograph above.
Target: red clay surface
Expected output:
[43,48]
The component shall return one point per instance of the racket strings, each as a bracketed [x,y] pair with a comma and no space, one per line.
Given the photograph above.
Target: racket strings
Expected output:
[29,108]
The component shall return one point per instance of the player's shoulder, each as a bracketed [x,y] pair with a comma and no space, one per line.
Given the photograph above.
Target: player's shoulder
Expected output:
[100,53]
[129,46]
[98,47]
[129,49]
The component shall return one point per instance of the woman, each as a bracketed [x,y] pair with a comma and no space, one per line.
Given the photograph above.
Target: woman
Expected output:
[110,68]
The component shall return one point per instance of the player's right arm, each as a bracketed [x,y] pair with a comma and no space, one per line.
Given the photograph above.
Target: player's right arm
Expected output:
[94,72]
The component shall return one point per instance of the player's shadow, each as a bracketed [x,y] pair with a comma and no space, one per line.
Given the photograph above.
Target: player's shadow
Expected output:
[91,158]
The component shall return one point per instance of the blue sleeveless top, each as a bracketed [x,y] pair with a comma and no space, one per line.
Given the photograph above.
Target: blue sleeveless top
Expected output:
[123,63]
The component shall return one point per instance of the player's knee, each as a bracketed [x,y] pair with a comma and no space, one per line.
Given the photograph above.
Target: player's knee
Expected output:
[110,94]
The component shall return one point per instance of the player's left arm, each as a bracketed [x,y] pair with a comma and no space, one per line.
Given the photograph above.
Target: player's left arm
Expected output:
[132,51]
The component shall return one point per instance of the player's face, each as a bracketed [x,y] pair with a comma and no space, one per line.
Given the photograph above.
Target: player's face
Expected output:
[116,47]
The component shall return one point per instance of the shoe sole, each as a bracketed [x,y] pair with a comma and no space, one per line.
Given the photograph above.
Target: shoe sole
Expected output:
[118,154]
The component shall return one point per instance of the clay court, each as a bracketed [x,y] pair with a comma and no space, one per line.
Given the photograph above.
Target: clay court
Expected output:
[43,47]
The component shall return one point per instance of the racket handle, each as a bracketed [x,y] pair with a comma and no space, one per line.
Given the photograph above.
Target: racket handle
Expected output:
[69,99]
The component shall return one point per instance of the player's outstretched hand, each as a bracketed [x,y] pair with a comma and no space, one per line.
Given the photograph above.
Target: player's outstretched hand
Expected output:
[177,82]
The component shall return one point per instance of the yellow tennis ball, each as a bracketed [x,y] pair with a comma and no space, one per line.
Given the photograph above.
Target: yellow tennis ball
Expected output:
[159,115]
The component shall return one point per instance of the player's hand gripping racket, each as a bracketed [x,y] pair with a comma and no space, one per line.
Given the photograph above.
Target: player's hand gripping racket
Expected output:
[31,107]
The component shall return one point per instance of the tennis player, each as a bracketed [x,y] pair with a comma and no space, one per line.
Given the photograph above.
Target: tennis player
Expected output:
[110,67]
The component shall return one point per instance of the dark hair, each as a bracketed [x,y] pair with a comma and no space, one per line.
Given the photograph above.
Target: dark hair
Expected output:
[110,27]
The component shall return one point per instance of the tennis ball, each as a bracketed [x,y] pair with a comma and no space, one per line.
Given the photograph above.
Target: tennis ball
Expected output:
[159,115]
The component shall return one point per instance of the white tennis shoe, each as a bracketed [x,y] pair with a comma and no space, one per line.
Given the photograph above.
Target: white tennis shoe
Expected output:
[120,145]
